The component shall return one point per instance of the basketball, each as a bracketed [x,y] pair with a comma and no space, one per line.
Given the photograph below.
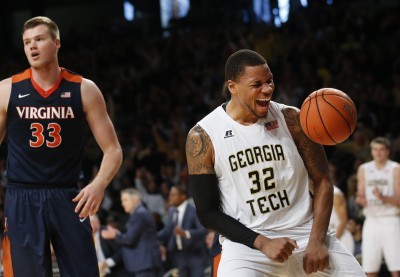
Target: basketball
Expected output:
[328,116]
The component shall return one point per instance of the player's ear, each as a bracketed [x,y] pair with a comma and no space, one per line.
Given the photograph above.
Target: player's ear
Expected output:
[58,43]
[231,86]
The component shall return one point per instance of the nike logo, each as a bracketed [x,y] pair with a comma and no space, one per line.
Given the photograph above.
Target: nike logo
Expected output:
[82,219]
[23,95]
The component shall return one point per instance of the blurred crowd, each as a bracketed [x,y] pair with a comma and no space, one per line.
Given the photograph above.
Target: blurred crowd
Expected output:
[157,87]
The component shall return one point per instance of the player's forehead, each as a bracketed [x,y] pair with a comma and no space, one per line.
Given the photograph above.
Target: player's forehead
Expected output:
[256,73]
[39,30]
[378,146]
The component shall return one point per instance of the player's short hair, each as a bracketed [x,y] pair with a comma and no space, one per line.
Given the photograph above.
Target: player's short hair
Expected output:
[238,61]
[381,140]
[42,20]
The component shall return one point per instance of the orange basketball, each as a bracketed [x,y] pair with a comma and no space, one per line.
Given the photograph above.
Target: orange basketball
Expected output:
[328,116]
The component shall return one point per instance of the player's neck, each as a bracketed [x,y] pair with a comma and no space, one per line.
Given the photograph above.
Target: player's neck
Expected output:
[46,77]
[380,163]
[237,113]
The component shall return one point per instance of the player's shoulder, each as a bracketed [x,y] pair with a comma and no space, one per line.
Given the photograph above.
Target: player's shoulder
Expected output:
[6,82]
[5,92]
[197,131]
[197,140]
[71,76]
[89,88]
[5,85]
[290,111]
[396,165]
[291,115]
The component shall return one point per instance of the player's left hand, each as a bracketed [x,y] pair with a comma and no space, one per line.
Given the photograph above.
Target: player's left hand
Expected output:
[89,200]
[316,257]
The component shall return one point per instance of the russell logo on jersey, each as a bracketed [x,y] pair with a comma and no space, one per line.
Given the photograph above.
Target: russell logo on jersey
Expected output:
[228,134]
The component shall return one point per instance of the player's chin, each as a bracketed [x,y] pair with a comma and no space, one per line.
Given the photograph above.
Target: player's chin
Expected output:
[262,111]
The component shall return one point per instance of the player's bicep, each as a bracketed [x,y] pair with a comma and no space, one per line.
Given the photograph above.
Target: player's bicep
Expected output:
[5,91]
[96,115]
[199,152]
[360,181]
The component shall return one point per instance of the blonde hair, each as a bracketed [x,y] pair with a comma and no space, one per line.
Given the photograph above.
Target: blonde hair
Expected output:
[381,140]
[42,20]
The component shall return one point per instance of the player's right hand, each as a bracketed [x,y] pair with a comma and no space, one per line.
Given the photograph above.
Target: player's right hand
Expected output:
[278,249]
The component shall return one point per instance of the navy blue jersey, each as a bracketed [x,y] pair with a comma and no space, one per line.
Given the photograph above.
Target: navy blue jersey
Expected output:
[45,131]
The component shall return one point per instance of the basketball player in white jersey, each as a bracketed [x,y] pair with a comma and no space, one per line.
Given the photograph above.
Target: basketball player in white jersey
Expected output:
[250,165]
[379,193]
[339,215]
[339,218]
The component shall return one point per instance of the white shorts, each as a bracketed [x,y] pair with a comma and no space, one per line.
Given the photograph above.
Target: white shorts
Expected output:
[347,240]
[381,239]
[238,260]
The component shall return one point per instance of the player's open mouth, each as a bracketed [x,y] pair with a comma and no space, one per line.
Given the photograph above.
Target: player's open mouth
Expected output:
[35,54]
[262,102]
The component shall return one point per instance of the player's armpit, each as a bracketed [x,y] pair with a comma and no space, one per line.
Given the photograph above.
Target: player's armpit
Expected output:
[199,152]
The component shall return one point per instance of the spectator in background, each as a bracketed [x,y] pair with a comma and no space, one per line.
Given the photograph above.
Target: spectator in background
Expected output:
[379,194]
[108,252]
[140,248]
[184,235]
[215,249]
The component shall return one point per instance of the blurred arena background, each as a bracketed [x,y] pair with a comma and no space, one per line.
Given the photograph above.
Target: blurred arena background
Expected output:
[160,65]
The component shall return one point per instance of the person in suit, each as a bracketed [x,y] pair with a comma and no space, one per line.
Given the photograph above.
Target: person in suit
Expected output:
[184,235]
[108,252]
[140,248]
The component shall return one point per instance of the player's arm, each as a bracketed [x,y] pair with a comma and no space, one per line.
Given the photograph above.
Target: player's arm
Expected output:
[205,191]
[314,157]
[103,131]
[391,199]
[360,196]
[206,195]
[5,91]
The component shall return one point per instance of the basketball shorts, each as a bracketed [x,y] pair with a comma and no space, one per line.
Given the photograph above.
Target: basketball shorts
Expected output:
[239,260]
[381,240]
[36,217]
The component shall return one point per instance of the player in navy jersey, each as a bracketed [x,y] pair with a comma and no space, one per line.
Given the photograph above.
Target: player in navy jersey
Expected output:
[43,111]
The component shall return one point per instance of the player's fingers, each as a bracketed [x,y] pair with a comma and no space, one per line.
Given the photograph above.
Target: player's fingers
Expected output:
[294,243]
[85,211]
[80,206]
[307,267]
[321,266]
[95,208]
[78,197]
[279,259]
[324,264]
[287,251]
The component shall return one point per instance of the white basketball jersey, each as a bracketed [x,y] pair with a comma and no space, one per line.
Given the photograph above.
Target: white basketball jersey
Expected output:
[261,174]
[334,221]
[383,180]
